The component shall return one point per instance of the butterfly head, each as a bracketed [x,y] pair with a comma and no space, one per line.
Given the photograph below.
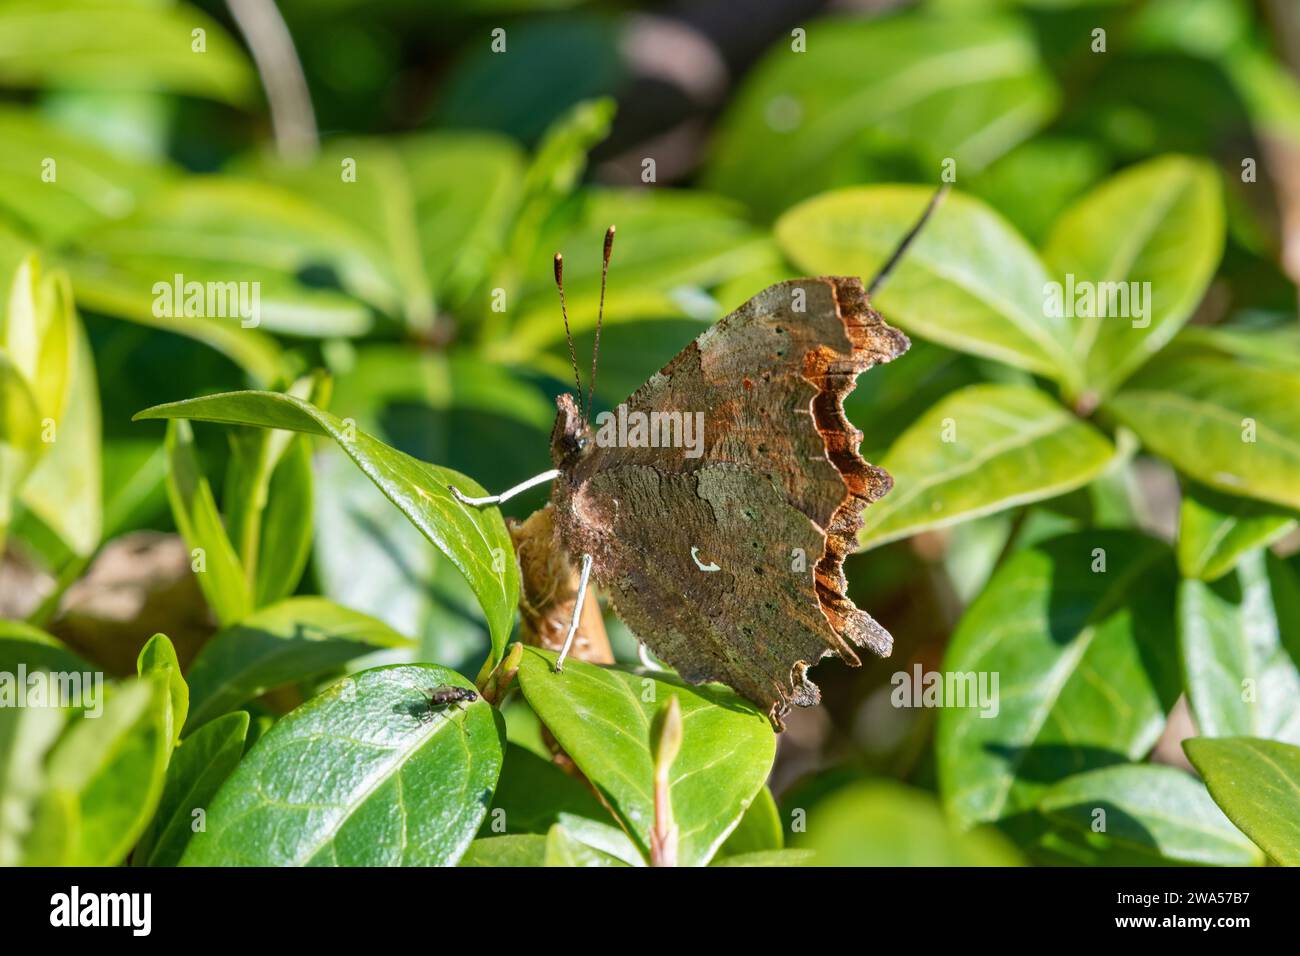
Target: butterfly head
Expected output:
[572,439]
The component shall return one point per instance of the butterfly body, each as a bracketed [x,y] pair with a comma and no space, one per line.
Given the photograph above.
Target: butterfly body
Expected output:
[725,557]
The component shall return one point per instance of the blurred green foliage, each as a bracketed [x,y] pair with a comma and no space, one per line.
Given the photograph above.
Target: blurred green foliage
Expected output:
[1099,511]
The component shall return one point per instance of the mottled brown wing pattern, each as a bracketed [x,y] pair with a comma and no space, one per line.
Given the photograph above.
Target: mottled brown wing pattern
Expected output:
[728,565]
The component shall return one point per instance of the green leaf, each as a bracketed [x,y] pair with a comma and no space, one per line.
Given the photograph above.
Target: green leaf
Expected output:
[113,767]
[1216,529]
[222,230]
[64,488]
[34,649]
[1160,225]
[159,656]
[533,794]
[213,558]
[19,438]
[1257,783]
[439,205]
[268,496]
[769,858]
[361,775]
[295,640]
[1086,666]
[883,823]
[86,185]
[120,46]
[474,540]
[759,831]
[579,842]
[520,849]
[601,718]
[1152,809]
[929,87]
[1232,427]
[969,281]
[26,735]
[1240,642]
[197,770]
[980,450]
[670,246]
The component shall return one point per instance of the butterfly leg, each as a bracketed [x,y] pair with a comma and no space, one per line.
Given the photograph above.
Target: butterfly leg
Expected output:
[508,493]
[577,612]
[643,654]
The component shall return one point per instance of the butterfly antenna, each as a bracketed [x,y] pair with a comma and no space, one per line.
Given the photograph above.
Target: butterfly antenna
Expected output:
[902,247]
[600,313]
[564,311]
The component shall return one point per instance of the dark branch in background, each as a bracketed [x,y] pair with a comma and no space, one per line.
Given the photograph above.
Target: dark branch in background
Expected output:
[292,116]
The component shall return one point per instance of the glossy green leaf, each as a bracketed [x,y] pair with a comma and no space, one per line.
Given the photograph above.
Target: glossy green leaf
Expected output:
[159,656]
[1086,664]
[1257,784]
[1240,642]
[213,557]
[361,775]
[883,823]
[1216,529]
[1158,225]
[294,640]
[601,718]
[969,281]
[1153,809]
[936,87]
[1231,427]
[474,540]
[520,849]
[121,46]
[26,735]
[980,450]
[759,831]
[197,770]
[113,767]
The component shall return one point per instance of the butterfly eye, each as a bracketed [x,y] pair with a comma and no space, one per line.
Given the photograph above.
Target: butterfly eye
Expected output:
[582,442]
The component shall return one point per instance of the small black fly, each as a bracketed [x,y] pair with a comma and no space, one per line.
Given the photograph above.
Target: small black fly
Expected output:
[445,696]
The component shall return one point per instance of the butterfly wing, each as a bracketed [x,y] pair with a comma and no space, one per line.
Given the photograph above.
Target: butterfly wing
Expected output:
[721,499]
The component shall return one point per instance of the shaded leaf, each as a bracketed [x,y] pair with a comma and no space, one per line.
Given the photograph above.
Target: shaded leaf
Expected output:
[295,640]
[936,87]
[520,849]
[1216,529]
[1151,809]
[882,823]
[1240,643]
[1086,665]
[197,770]
[216,565]
[759,831]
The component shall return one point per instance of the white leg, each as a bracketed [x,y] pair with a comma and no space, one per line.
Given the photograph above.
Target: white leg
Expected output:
[643,654]
[577,612]
[508,493]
